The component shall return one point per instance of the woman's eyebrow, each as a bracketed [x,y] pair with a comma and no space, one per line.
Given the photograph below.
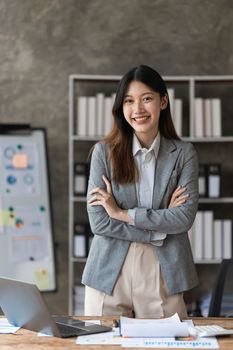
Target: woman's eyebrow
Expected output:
[144,93]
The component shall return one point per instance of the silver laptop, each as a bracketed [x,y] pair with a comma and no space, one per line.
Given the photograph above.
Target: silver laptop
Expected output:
[24,306]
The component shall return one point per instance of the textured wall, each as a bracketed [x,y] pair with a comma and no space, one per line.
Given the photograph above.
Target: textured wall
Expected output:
[43,41]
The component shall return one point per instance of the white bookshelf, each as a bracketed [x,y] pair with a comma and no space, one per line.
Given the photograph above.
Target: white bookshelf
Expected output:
[187,87]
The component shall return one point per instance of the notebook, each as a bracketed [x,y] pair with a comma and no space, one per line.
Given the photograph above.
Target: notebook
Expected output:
[23,306]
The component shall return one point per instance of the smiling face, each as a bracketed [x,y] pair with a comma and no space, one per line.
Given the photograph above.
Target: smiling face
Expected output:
[141,108]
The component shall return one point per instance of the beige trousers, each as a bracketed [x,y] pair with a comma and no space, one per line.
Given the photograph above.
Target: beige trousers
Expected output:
[140,290]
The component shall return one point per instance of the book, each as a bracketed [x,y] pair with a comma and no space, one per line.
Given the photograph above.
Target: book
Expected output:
[177,115]
[208,234]
[91,113]
[100,114]
[108,118]
[198,117]
[216,117]
[208,132]
[198,236]
[227,239]
[218,236]
[82,116]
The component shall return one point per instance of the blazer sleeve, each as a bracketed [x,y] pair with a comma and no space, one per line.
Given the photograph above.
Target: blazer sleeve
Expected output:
[100,222]
[178,219]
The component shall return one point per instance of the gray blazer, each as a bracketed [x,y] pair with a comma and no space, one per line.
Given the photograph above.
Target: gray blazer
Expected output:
[176,164]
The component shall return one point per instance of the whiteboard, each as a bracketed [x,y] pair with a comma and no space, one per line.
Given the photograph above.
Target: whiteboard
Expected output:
[26,234]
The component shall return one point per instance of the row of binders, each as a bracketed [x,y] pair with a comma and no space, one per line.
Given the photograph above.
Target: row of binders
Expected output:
[207,121]
[94,115]
[211,239]
[209,180]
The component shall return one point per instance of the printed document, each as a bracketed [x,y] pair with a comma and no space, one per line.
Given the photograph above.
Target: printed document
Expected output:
[164,327]
[166,343]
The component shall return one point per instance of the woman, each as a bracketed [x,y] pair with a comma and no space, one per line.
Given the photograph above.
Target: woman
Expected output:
[142,200]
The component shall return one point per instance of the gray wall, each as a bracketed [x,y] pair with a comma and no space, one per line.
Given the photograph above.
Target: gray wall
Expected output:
[43,41]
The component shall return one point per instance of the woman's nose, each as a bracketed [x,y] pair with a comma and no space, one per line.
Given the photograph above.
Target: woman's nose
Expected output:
[138,107]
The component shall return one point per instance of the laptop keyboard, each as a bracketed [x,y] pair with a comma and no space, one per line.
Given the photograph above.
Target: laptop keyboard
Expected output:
[69,326]
[69,331]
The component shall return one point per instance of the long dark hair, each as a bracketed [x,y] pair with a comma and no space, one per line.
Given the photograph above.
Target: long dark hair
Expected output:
[121,135]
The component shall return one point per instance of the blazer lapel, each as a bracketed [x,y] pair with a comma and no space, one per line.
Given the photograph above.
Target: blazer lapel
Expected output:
[166,160]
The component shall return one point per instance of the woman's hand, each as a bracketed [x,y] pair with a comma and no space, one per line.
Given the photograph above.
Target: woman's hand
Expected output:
[107,200]
[178,197]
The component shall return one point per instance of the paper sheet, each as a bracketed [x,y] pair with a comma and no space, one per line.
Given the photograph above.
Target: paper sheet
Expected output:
[164,327]
[6,327]
[166,343]
[105,338]
[113,338]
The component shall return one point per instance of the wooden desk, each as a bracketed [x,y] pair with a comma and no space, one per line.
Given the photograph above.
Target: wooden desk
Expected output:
[27,340]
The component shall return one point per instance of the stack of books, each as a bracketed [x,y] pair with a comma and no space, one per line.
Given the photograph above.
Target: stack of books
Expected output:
[94,115]
[211,239]
[207,117]
[176,106]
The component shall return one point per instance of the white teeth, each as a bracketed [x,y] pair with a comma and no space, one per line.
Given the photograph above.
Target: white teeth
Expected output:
[140,118]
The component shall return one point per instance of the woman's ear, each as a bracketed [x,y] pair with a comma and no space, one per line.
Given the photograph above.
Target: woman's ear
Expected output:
[164,101]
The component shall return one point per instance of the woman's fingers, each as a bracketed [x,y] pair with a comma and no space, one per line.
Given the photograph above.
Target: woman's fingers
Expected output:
[181,199]
[99,195]
[101,190]
[95,198]
[178,197]
[97,190]
[178,191]
[107,183]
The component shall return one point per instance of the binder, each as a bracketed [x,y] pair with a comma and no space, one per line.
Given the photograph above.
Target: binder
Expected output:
[214,180]
[202,181]
[80,179]
[80,241]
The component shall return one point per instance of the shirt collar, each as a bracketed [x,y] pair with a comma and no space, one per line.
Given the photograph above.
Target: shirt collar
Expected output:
[154,147]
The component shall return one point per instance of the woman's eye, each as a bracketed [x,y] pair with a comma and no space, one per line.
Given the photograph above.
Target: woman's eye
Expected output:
[147,98]
[128,101]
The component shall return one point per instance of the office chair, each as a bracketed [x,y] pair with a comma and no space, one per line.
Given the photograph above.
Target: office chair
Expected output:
[217,293]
